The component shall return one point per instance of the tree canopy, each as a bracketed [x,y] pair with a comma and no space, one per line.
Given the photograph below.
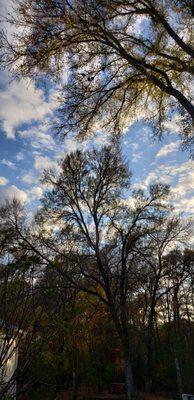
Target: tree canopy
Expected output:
[124,59]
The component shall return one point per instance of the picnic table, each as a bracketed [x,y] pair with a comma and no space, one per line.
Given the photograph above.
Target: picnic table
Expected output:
[117,387]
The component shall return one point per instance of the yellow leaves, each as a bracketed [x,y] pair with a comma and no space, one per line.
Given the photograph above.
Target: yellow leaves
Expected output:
[50,357]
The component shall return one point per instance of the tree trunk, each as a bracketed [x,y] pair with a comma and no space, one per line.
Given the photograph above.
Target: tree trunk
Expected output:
[179,378]
[123,332]
[128,376]
[150,364]
[150,349]
[73,385]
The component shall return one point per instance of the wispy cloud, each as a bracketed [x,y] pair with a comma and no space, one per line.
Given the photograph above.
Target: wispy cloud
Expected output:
[168,148]
[8,163]
[38,137]
[181,177]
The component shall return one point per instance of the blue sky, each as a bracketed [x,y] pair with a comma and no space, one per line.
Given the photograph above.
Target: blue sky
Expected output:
[27,146]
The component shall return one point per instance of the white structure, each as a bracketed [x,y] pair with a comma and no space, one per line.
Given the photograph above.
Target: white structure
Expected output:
[9,360]
[187,396]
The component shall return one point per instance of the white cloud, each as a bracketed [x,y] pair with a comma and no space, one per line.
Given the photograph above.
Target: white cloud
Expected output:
[6,7]
[39,137]
[138,186]
[168,148]
[3,181]
[156,176]
[72,145]
[8,163]
[134,146]
[64,73]
[137,156]
[21,102]
[12,192]
[183,191]
[99,139]
[20,156]
[130,202]
[185,204]
[181,178]
[44,162]
[173,125]
[29,178]
[35,193]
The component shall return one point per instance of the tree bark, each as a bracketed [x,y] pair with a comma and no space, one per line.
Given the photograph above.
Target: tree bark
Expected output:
[124,338]
[150,350]
[128,375]
[150,364]
[179,378]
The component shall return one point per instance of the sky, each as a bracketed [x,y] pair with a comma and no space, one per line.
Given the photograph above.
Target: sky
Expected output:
[28,145]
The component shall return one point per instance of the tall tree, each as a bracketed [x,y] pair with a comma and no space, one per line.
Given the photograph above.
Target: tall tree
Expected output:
[95,231]
[121,57]
[92,239]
